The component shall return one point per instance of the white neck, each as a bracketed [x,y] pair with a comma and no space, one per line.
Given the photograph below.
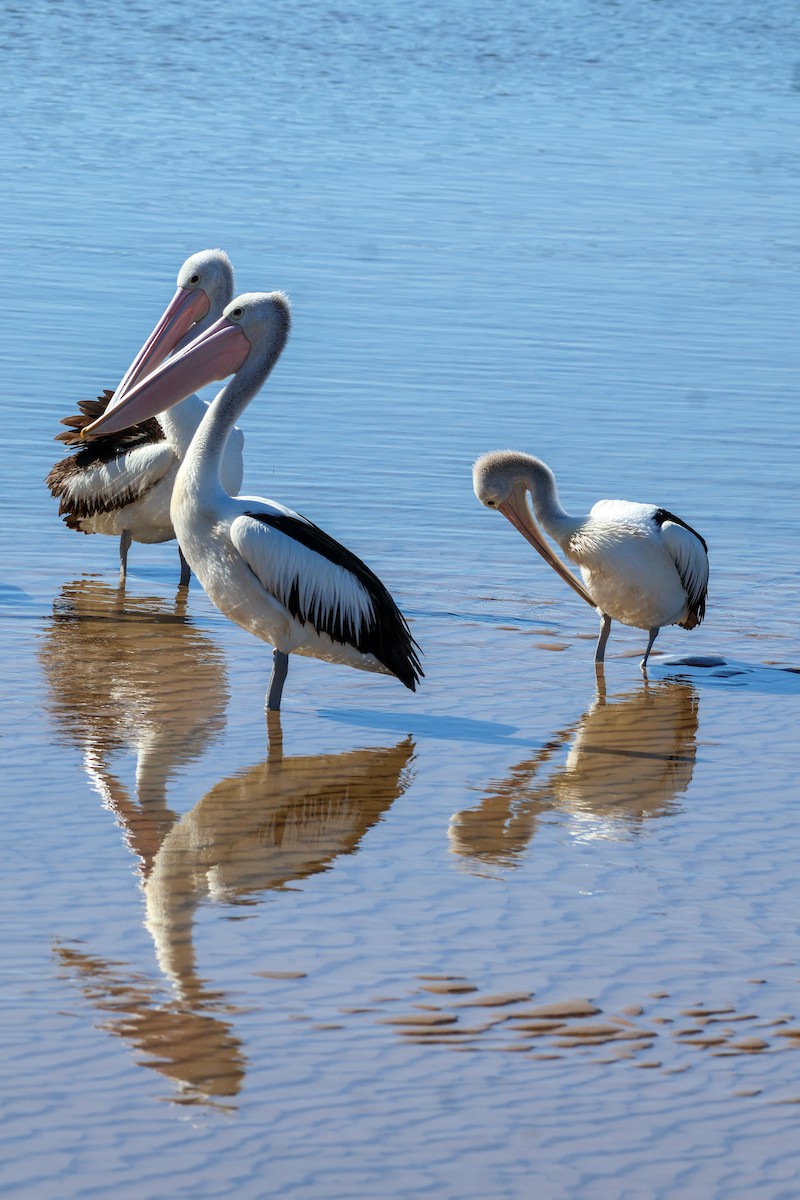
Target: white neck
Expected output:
[541,483]
[180,423]
[200,472]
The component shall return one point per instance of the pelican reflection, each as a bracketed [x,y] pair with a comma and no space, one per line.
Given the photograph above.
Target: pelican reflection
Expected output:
[279,821]
[132,673]
[260,829]
[626,760]
[194,1048]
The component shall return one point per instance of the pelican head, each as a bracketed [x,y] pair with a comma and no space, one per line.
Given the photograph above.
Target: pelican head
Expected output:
[263,317]
[502,480]
[211,272]
[252,330]
[497,475]
[205,285]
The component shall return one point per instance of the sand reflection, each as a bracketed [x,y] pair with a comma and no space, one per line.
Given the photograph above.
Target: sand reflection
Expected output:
[132,673]
[279,821]
[653,1031]
[625,761]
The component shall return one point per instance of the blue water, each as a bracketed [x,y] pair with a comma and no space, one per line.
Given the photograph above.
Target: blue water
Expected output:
[568,228]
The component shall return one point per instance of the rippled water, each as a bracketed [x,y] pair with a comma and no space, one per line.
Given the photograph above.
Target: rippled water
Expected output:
[526,932]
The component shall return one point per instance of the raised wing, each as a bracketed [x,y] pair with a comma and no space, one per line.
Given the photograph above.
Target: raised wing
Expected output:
[91,410]
[325,585]
[690,554]
[102,479]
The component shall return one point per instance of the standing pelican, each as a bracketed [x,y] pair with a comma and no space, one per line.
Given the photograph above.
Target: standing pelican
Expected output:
[642,565]
[267,568]
[122,485]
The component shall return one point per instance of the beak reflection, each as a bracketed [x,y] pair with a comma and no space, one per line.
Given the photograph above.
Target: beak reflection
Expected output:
[260,829]
[623,763]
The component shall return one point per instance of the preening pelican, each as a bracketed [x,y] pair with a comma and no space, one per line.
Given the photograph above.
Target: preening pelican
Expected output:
[267,568]
[121,485]
[642,565]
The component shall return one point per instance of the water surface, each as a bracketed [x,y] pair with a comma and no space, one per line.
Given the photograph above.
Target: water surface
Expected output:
[526,931]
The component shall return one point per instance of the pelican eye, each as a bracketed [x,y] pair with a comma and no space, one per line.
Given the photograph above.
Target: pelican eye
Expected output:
[237,312]
[195,279]
[490,503]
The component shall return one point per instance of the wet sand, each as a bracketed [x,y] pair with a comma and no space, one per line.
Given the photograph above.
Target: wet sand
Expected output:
[530,931]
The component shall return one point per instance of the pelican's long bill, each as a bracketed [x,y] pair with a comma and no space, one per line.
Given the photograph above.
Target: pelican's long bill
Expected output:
[184,310]
[217,353]
[516,510]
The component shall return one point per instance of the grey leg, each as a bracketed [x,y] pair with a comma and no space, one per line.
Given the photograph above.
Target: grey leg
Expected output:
[280,665]
[653,636]
[124,547]
[605,630]
[186,570]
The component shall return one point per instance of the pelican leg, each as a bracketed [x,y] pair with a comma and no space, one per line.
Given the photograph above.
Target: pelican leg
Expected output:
[605,630]
[600,682]
[186,570]
[124,547]
[280,665]
[274,737]
[653,636]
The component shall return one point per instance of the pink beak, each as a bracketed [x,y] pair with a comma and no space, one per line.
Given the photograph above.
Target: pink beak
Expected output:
[217,353]
[515,509]
[184,310]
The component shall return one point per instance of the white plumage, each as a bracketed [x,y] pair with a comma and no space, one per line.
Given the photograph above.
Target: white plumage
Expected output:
[122,486]
[266,567]
[641,565]
[325,592]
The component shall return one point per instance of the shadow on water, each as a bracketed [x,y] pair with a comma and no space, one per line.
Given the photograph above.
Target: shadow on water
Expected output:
[623,762]
[728,672]
[445,728]
[132,673]
[14,601]
[279,821]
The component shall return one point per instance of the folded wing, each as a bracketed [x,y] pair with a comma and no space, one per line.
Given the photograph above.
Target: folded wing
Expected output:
[690,555]
[323,584]
[102,479]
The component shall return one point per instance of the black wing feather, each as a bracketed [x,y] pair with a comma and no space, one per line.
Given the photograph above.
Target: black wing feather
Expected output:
[662,514]
[94,454]
[696,597]
[106,448]
[387,637]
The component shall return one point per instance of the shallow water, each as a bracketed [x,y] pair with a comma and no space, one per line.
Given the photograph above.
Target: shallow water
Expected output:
[526,931]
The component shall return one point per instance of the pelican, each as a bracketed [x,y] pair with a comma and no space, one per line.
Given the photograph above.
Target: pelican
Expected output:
[641,564]
[267,568]
[122,485]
